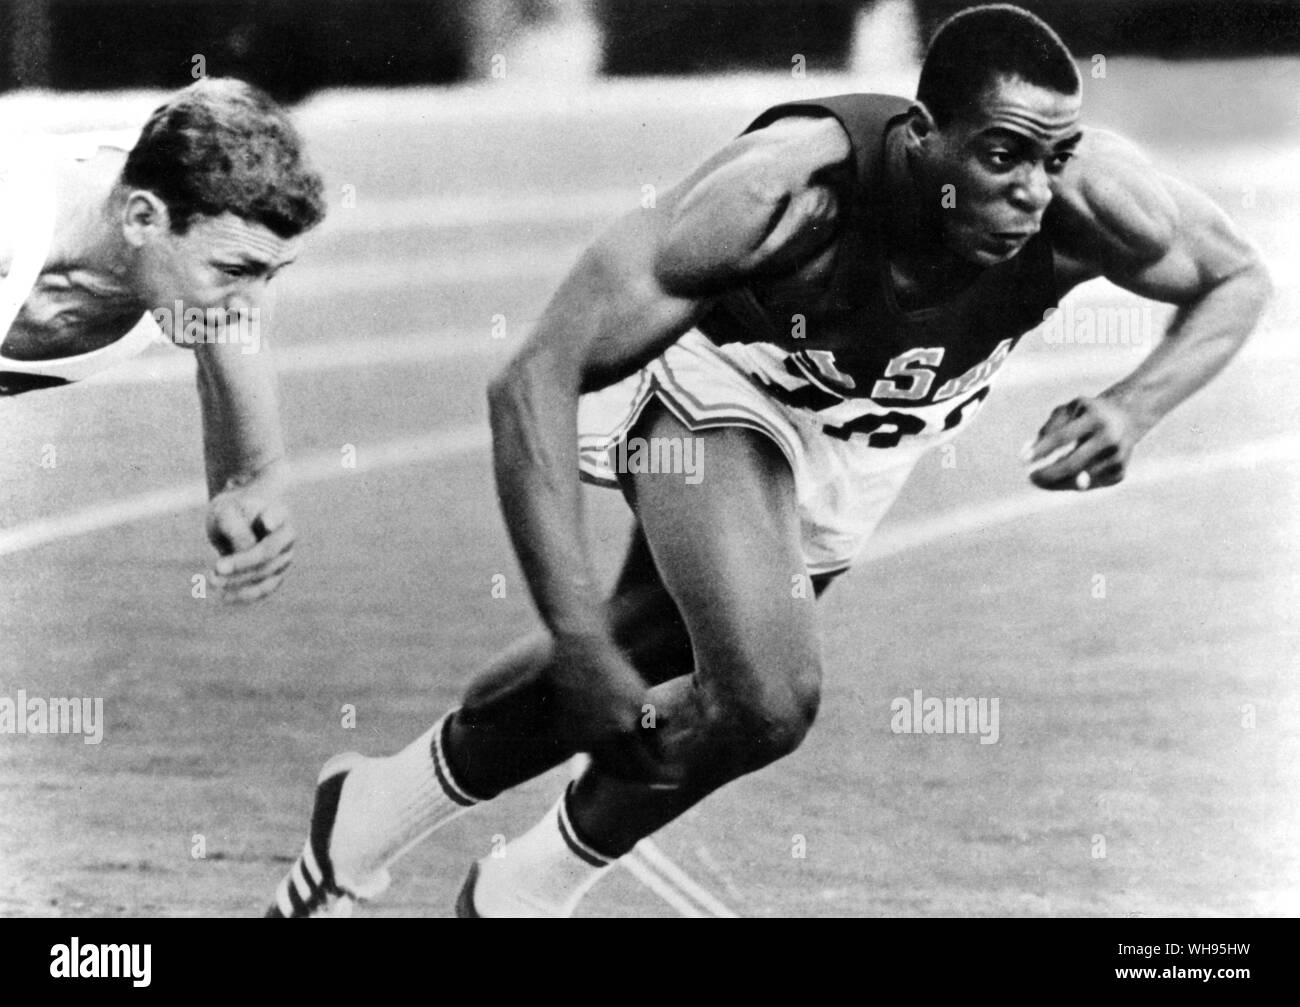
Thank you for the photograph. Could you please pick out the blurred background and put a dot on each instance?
(292, 47)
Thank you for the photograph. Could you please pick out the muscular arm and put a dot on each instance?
(1161, 239)
(755, 206)
(1221, 288)
(242, 442)
(609, 314)
(243, 451)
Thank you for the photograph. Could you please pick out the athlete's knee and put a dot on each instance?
(776, 721)
(763, 723)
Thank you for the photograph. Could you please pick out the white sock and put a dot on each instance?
(389, 804)
(545, 872)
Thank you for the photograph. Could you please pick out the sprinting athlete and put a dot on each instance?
(825, 298)
(110, 241)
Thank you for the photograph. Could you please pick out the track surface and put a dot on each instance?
(1120, 717)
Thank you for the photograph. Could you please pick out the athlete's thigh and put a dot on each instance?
(727, 548)
(644, 618)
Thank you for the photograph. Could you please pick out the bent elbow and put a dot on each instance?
(521, 390)
(1254, 282)
(1263, 280)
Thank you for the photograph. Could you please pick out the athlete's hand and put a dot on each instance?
(1084, 444)
(599, 705)
(255, 540)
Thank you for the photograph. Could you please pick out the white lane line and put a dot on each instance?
(963, 520)
(512, 208)
(100, 517)
(547, 262)
(457, 441)
(926, 531)
(543, 263)
(318, 467)
(656, 858)
(649, 859)
(440, 446)
(170, 364)
(660, 887)
(907, 535)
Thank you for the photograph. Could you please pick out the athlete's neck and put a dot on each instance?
(913, 231)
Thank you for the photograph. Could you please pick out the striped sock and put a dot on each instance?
(387, 805)
(545, 872)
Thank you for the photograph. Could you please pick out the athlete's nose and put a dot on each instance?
(249, 297)
(1032, 190)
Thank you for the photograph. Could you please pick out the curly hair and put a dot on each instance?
(979, 44)
(223, 146)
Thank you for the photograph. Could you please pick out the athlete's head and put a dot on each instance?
(215, 195)
(996, 117)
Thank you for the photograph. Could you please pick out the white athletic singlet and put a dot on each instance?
(27, 209)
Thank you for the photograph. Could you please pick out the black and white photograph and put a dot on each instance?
(651, 458)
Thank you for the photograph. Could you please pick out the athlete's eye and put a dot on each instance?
(233, 271)
(1000, 158)
(1057, 161)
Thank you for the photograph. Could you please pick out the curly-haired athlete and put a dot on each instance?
(108, 242)
(828, 296)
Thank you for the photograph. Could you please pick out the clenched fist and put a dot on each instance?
(1085, 443)
(255, 540)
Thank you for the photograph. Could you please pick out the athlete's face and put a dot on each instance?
(1000, 158)
(220, 262)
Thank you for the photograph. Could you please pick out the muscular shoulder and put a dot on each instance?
(1110, 201)
(758, 205)
(784, 157)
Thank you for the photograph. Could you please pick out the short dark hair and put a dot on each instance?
(223, 146)
(980, 44)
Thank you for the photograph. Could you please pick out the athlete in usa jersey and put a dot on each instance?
(836, 356)
(109, 242)
(861, 343)
(829, 293)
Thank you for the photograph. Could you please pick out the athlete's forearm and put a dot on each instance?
(242, 440)
(610, 316)
(534, 422)
(1202, 338)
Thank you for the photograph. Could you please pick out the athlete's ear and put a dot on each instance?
(144, 215)
(920, 128)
